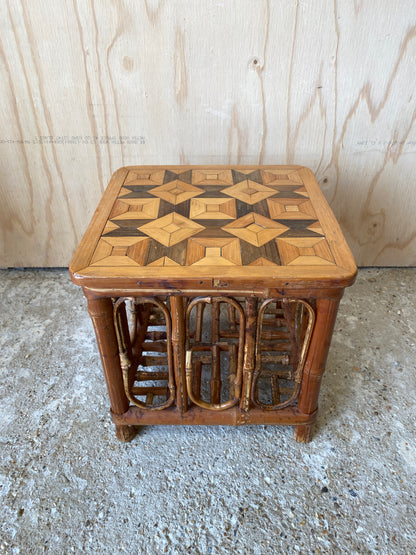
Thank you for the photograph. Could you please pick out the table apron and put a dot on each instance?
(275, 293)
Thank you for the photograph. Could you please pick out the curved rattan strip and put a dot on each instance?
(307, 338)
(302, 358)
(189, 369)
(126, 363)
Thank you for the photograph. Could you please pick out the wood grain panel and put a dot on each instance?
(88, 86)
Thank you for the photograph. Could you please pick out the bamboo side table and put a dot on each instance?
(213, 292)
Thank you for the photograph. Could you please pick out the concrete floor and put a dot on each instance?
(67, 485)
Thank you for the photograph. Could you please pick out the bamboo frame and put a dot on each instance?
(304, 292)
(176, 341)
(255, 335)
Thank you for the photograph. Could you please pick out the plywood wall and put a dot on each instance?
(90, 85)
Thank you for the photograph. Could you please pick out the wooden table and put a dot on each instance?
(213, 291)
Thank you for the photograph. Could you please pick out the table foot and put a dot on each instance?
(303, 433)
(126, 433)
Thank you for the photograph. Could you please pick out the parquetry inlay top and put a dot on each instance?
(155, 222)
(207, 217)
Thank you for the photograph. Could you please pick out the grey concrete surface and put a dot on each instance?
(67, 485)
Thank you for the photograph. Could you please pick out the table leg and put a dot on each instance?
(178, 347)
(101, 312)
(326, 312)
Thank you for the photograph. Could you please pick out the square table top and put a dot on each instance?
(193, 225)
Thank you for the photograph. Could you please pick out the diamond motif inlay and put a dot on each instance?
(255, 229)
(176, 191)
(249, 192)
(171, 229)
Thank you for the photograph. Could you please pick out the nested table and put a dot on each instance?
(213, 292)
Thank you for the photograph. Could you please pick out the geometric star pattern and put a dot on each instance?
(212, 217)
